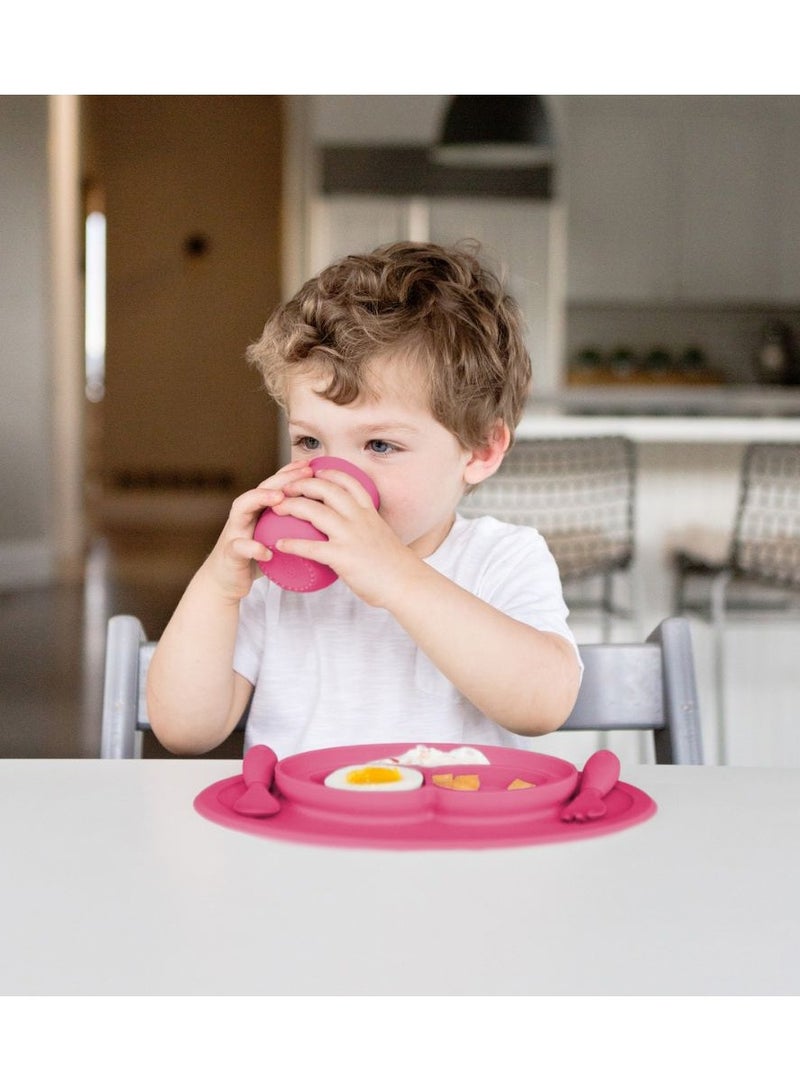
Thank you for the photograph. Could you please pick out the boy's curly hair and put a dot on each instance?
(435, 306)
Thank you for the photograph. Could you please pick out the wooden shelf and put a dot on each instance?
(606, 377)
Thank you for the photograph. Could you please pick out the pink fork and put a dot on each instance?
(258, 770)
(600, 774)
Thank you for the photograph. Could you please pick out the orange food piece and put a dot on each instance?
(518, 783)
(467, 782)
(463, 782)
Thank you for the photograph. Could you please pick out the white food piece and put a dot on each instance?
(431, 756)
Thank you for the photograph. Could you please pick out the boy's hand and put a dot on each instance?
(362, 548)
(232, 564)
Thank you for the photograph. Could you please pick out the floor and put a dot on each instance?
(52, 642)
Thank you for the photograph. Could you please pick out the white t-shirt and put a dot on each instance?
(329, 670)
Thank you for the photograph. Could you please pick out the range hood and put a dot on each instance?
(497, 131)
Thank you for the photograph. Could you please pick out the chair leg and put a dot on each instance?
(607, 607)
(679, 593)
(719, 589)
(636, 600)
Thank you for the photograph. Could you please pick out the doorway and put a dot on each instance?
(191, 190)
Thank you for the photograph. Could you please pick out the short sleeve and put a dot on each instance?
(252, 631)
(510, 567)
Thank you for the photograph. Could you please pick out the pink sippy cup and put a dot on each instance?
(297, 573)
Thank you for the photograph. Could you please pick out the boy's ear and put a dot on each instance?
(486, 459)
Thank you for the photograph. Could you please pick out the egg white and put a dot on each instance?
(409, 779)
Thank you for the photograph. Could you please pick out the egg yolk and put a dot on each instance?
(374, 774)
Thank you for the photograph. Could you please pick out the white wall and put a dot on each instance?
(25, 426)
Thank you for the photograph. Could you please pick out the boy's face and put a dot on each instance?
(419, 468)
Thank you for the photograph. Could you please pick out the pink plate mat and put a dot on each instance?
(431, 823)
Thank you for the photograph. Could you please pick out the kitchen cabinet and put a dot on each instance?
(622, 206)
(726, 211)
(523, 239)
(352, 225)
(676, 199)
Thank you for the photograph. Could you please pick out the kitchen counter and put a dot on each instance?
(643, 429)
(745, 414)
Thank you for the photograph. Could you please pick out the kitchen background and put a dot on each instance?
(656, 258)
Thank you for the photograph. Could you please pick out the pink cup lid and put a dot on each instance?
(297, 573)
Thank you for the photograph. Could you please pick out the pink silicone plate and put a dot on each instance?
(300, 778)
(428, 817)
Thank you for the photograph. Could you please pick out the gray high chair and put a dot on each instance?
(646, 687)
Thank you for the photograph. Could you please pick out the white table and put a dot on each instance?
(113, 884)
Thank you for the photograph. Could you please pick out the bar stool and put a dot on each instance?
(580, 495)
(760, 574)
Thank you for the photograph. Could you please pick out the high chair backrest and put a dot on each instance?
(644, 687)
(638, 687)
(128, 655)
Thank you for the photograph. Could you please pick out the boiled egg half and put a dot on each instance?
(374, 778)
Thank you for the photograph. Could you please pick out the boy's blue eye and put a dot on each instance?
(308, 443)
(380, 446)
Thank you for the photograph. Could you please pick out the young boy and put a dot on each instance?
(409, 362)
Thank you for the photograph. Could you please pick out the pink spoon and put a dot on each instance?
(600, 774)
(258, 770)
(297, 573)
